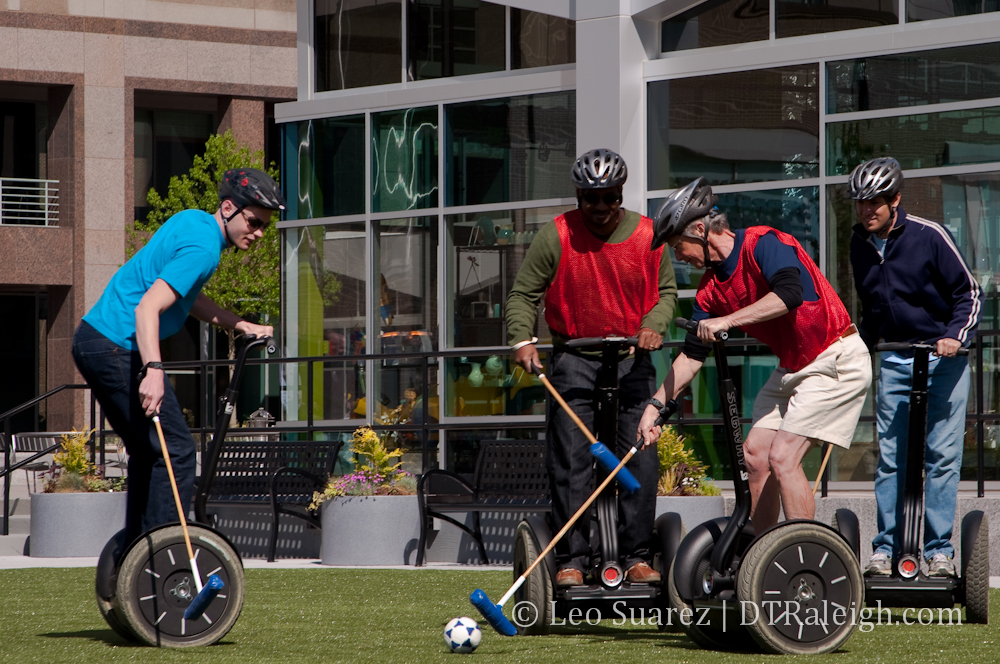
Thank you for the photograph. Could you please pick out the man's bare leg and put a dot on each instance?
(787, 451)
(764, 495)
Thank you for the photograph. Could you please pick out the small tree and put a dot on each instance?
(247, 283)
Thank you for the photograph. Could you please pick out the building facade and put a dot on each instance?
(431, 139)
(99, 102)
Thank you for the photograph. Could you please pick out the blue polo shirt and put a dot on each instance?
(184, 252)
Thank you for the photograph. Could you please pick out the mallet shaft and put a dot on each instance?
(177, 500)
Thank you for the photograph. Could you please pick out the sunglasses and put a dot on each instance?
(609, 199)
(255, 223)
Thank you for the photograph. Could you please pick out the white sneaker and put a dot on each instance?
(940, 565)
(879, 565)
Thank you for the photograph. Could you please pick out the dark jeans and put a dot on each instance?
(571, 466)
(111, 372)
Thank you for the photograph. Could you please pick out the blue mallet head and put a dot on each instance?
(609, 462)
(209, 592)
(492, 613)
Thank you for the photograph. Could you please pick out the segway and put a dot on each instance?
(795, 589)
(610, 595)
(145, 586)
(908, 585)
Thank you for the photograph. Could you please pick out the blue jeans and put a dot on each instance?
(948, 394)
(111, 373)
(571, 466)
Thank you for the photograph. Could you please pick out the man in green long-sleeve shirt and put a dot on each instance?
(594, 267)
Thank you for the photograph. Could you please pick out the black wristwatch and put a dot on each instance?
(665, 411)
(653, 401)
(149, 365)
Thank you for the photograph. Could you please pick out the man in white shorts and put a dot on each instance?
(762, 281)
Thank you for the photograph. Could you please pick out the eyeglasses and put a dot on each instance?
(255, 223)
(609, 199)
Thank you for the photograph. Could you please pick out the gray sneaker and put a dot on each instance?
(940, 565)
(879, 565)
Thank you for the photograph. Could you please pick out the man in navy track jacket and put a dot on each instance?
(914, 286)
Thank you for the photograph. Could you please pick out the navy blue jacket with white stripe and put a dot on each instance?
(922, 290)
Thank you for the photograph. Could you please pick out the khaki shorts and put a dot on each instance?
(824, 399)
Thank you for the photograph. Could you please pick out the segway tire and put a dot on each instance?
(976, 573)
(811, 564)
(846, 523)
(668, 532)
(107, 573)
(155, 586)
(533, 600)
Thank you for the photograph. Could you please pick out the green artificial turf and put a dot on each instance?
(323, 616)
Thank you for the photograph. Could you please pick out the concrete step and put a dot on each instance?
(20, 524)
(14, 545)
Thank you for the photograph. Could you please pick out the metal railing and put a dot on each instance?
(27, 202)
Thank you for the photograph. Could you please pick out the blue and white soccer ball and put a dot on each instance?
(462, 635)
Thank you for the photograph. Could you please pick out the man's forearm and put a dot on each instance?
(766, 308)
(681, 373)
(206, 310)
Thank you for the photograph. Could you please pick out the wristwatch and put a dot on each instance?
(665, 411)
(149, 365)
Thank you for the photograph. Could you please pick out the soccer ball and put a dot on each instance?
(462, 635)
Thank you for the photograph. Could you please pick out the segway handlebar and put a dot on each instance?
(692, 327)
(903, 346)
(599, 342)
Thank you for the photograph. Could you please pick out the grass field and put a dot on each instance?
(325, 616)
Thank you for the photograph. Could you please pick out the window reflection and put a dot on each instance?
(914, 79)
(749, 126)
(455, 38)
(513, 149)
(716, 24)
(804, 17)
(404, 159)
(925, 140)
(925, 10)
(322, 178)
(537, 40)
(357, 43)
(486, 250)
(491, 385)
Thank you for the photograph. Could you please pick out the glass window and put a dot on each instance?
(324, 314)
(404, 159)
(749, 126)
(166, 143)
(926, 140)
(406, 252)
(794, 211)
(537, 40)
(486, 250)
(914, 79)
(806, 17)
(321, 174)
(514, 149)
(455, 38)
(491, 385)
(358, 43)
(730, 22)
(926, 10)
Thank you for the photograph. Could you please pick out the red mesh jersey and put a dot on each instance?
(602, 289)
(799, 336)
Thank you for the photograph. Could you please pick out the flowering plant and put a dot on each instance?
(681, 473)
(72, 471)
(380, 475)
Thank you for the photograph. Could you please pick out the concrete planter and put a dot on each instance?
(370, 530)
(693, 509)
(68, 525)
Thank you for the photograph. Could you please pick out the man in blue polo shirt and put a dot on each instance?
(117, 345)
(914, 286)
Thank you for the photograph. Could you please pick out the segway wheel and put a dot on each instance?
(846, 523)
(107, 572)
(155, 586)
(976, 573)
(533, 600)
(668, 531)
(806, 584)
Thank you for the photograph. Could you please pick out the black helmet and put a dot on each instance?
(250, 186)
(878, 177)
(599, 169)
(687, 204)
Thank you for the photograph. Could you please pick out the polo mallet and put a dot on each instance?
(208, 592)
(493, 613)
(822, 467)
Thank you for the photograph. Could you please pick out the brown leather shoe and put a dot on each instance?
(568, 577)
(642, 573)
